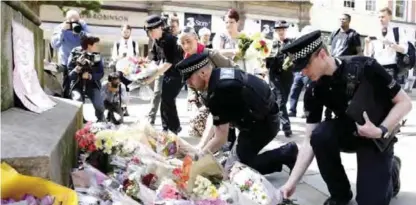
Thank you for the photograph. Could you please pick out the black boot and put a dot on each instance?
(332, 201)
(290, 151)
(397, 164)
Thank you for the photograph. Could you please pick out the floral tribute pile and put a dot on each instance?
(138, 165)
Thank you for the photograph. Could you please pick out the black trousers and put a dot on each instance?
(250, 141)
(171, 87)
(66, 83)
(281, 85)
(113, 108)
(374, 175)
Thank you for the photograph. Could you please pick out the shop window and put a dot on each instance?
(370, 5)
(399, 9)
(349, 3)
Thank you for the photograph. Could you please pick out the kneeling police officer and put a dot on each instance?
(246, 101)
(335, 83)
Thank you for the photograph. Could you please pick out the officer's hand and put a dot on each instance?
(368, 129)
(86, 76)
(287, 190)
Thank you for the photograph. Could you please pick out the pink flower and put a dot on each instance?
(169, 192)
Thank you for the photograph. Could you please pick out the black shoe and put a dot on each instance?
(125, 112)
(397, 164)
(332, 201)
(290, 153)
(292, 114)
(288, 133)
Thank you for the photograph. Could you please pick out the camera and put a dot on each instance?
(86, 60)
(75, 26)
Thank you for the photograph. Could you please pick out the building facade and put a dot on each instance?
(255, 16)
(364, 15)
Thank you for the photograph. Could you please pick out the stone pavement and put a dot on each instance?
(312, 190)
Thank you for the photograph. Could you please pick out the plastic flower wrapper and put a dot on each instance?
(211, 202)
(167, 190)
(98, 126)
(253, 185)
(128, 66)
(181, 175)
(29, 199)
(167, 145)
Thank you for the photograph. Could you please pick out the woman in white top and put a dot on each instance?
(227, 43)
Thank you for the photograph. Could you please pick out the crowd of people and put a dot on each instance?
(239, 110)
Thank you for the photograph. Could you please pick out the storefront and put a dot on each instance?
(106, 24)
(213, 20)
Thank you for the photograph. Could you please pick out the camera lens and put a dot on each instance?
(76, 27)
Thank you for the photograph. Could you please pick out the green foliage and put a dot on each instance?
(87, 5)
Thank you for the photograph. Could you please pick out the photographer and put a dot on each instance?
(115, 96)
(85, 72)
(66, 37)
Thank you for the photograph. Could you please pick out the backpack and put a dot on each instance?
(405, 62)
(134, 47)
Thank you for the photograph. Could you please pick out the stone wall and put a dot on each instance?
(19, 12)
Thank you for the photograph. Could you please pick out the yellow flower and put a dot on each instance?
(99, 144)
(213, 191)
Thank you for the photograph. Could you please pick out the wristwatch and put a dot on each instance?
(384, 132)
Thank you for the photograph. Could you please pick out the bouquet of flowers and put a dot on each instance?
(244, 42)
(182, 174)
(166, 145)
(86, 139)
(261, 45)
(204, 189)
(253, 185)
(128, 66)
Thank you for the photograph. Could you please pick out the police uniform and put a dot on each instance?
(245, 101)
(167, 50)
(280, 79)
(332, 136)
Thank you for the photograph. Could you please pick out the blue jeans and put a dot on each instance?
(95, 96)
(298, 83)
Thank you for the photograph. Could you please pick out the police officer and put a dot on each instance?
(245, 101)
(167, 50)
(334, 84)
(281, 78)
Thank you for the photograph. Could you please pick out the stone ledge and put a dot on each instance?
(42, 144)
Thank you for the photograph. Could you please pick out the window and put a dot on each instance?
(399, 9)
(349, 3)
(370, 5)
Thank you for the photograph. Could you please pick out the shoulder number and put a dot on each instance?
(227, 73)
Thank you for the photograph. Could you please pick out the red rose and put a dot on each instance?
(147, 180)
(262, 43)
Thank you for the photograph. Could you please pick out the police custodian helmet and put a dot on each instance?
(153, 22)
(192, 64)
(302, 49)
